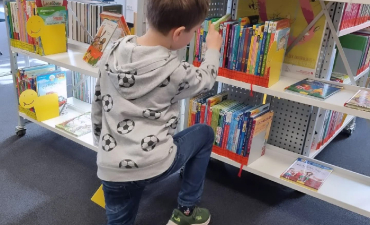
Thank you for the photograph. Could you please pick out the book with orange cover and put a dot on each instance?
(100, 42)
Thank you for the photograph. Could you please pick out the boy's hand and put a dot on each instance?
(214, 39)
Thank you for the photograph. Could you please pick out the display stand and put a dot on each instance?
(344, 188)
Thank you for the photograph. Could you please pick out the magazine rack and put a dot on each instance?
(278, 157)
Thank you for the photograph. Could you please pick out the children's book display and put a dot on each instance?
(42, 91)
(38, 28)
(77, 126)
(307, 174)
(314, 88)
(241, 130)
(303, 57)
(360, 101)
(100, 42)
(251, 52)
(354, 14)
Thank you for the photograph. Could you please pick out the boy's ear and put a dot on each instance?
(177, 33)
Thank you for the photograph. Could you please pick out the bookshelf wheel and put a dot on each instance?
(20, 132)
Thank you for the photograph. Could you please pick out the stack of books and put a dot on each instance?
(238, 127)
(84, 87)
(89, 13)
(355, 14)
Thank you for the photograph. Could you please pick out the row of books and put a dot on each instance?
(246, 44)
(357, 48)
(84, 87)
(329, 121)
(37, 26)
(89, 14)
(238, 127)
(355, 14)
(44, 79)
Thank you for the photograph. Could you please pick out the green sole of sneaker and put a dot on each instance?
(205, 223)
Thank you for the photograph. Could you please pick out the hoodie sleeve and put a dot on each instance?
(197, 79)
(96, 113)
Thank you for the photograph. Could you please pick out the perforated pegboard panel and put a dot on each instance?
(325, 67)
(290, 124)
(362, 81)
(217, 8)
(243, 95)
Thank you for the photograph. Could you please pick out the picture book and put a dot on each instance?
(122, 28)
(53, 14)
(360, 101)
(101, 40)
(77, 126)
(307, 174)
(313, 88)
(259, 136)
(53, 83)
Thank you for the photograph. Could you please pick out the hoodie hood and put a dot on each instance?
(132, 65)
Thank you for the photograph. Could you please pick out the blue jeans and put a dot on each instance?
(194, 147)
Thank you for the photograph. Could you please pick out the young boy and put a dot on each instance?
(136, 112)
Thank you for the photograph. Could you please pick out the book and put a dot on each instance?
(360, 101)
(259, 136)
(221, 20)
(307, 174)
(77, 126)
(101, 40)
(122, 27)
(313, 88)
(53, 83)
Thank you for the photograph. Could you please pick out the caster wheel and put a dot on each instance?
(20, 133)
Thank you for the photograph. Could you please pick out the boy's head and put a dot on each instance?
(177, 19)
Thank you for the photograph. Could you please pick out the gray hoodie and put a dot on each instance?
(136, 110)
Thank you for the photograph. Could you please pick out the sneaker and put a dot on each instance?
(200, 216)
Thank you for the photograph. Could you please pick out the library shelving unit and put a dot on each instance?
(343, 188)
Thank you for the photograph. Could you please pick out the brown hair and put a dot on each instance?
(164, 15)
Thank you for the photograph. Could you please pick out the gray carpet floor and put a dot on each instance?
(49, 180)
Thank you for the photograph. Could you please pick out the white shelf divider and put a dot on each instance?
(355, 28)
(343, 188)
(75, 108)
(364, 73)
(314, 152)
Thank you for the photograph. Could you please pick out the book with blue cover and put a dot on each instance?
(314, 88)
(53, 83)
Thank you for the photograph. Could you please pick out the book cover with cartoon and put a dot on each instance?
(314, 88)
(100, 42)
(307, 174)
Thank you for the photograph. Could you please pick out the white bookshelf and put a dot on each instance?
(71, 60)
(354, 29)
(75, 108)
(335, 102)
(343, 188)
